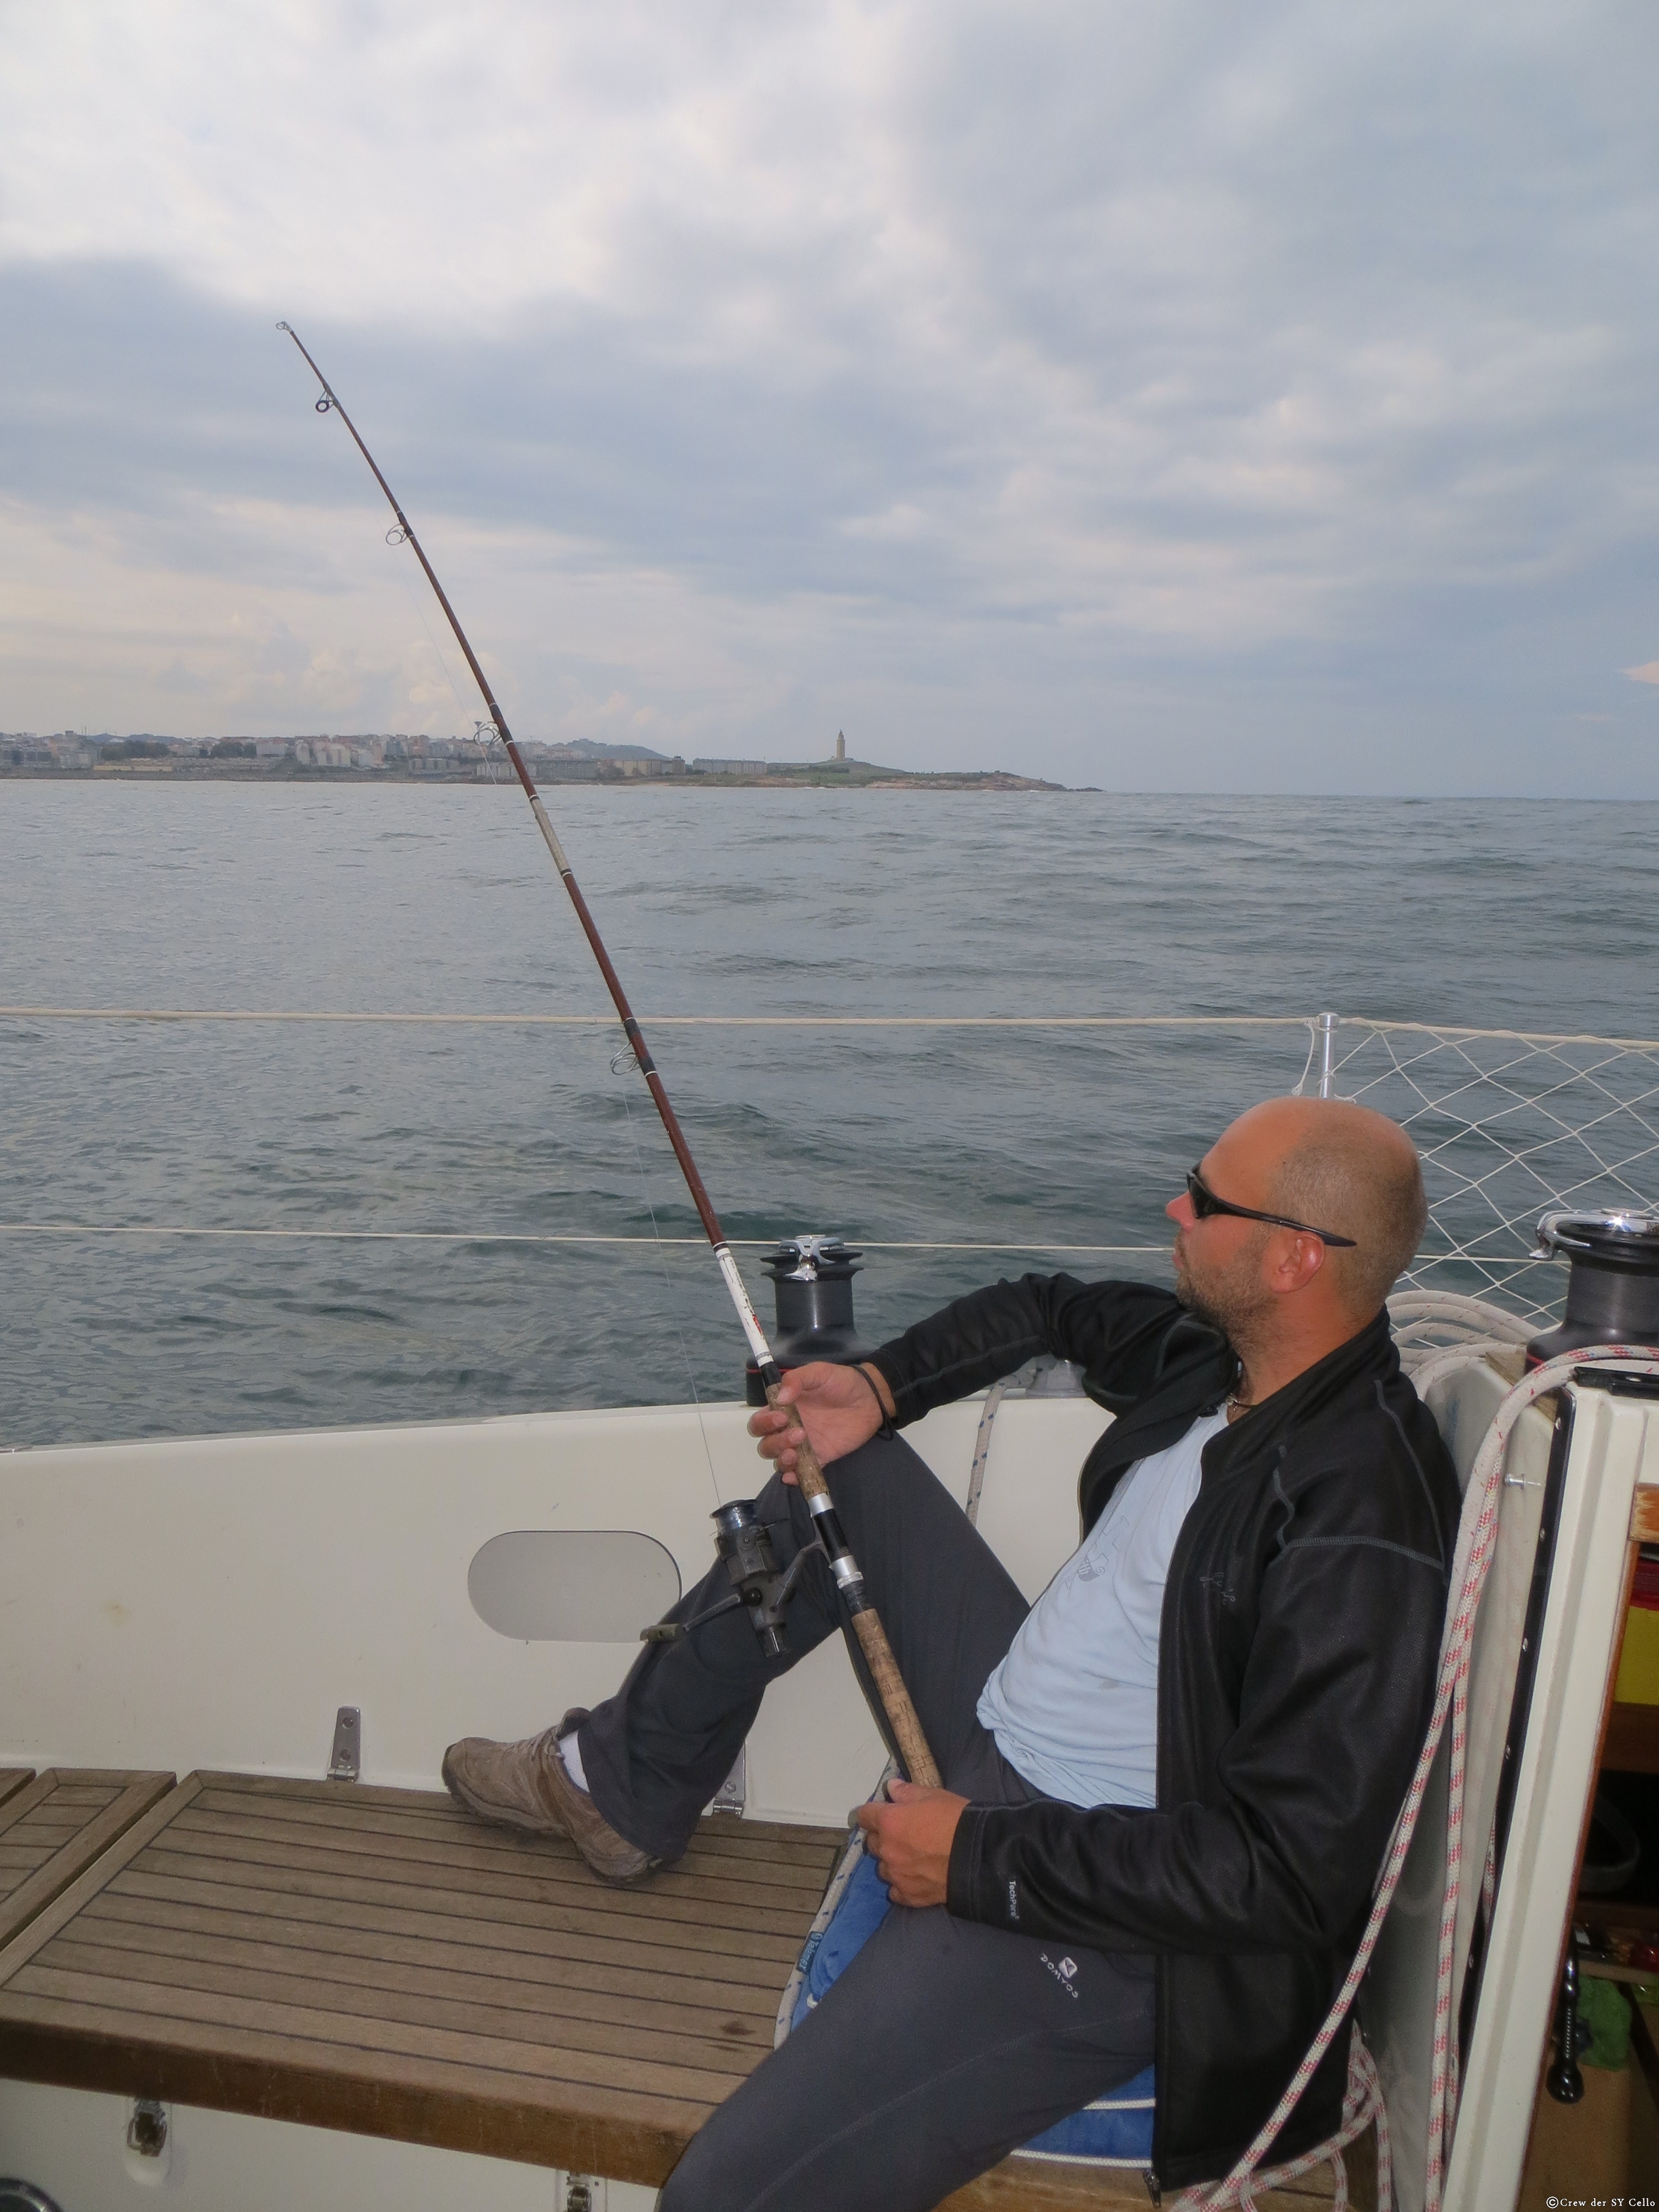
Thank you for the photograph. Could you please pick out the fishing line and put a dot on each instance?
(408, 583)
(897, 1705)
(622, 1061)
(395, 539)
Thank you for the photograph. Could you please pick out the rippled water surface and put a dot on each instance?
(359, 899)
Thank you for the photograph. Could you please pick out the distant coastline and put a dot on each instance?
(76, 756)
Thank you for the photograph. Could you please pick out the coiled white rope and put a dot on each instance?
(1426, 1322)
(1477, 1537)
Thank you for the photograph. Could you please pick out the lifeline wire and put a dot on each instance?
(691, 1021)
(1450, 1033)
(506, 1237)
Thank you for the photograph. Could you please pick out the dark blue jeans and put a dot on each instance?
(945, 2044)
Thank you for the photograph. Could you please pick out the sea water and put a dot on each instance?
(1016, 1142)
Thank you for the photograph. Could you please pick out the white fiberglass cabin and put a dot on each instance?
(249, 1957)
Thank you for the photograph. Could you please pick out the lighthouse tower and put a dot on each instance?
(840, 745)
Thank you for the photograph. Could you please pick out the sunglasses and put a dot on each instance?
(1205, 1203)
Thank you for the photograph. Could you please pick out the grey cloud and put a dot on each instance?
(1253, 400)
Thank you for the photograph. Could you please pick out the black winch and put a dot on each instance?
(1613, 1288)
(812, 1283)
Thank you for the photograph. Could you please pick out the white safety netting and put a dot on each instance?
(1508, 1126)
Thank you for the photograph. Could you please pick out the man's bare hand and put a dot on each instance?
(911, 1840)
(836, 1406)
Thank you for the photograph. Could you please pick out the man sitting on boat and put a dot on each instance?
(1170, 1784)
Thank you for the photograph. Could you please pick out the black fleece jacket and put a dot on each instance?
(1297, 1651)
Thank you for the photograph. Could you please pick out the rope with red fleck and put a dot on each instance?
(1477, 1538)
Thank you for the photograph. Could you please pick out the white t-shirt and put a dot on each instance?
(1074, 1707)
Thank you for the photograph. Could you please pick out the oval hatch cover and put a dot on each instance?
(572, 1585)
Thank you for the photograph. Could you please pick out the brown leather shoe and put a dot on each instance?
(524, 1785)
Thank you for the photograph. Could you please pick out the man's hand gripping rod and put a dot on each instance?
(866, 1622)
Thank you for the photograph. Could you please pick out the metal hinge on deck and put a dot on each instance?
(733, 1793)
(346, 1760)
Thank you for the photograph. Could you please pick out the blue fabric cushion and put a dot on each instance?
(828, 1956)
(1115, 2130)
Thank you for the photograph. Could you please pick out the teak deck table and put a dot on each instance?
(373, 1960)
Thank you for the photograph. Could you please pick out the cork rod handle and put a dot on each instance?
(901, 1716)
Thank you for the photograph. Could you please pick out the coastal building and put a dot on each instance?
(63, 749)
(728, 767)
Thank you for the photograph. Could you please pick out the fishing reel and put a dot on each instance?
(759, 1585)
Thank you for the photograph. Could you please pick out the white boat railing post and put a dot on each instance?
(1327, 1026)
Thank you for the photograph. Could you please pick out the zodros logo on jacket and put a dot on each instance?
(1063, 1970)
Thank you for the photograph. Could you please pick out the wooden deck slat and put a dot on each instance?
(69, 1808)
(136, 1921)
(738, 1984)
(776, 1855)
(470, 1844)
(767, 1838)
(484, 1935)
(462, 1843)
(376, 1959)
(277, 1991)
(547, 1876)
(39, 1834)
(606, 1914)
(299, 1791)
(311, 2025)
(26, 1941)
(584, 1993)
(42, 1832)
(12, 1779)
(55, 1827)
(63, 1796)
(23, 1802)
(360, 1805)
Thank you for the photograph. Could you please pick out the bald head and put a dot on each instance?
(1342, 1167)
(1281, 1294)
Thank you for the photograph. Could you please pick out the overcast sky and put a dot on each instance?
(1174, 397)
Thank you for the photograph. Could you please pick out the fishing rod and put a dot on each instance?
(750, 1562)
